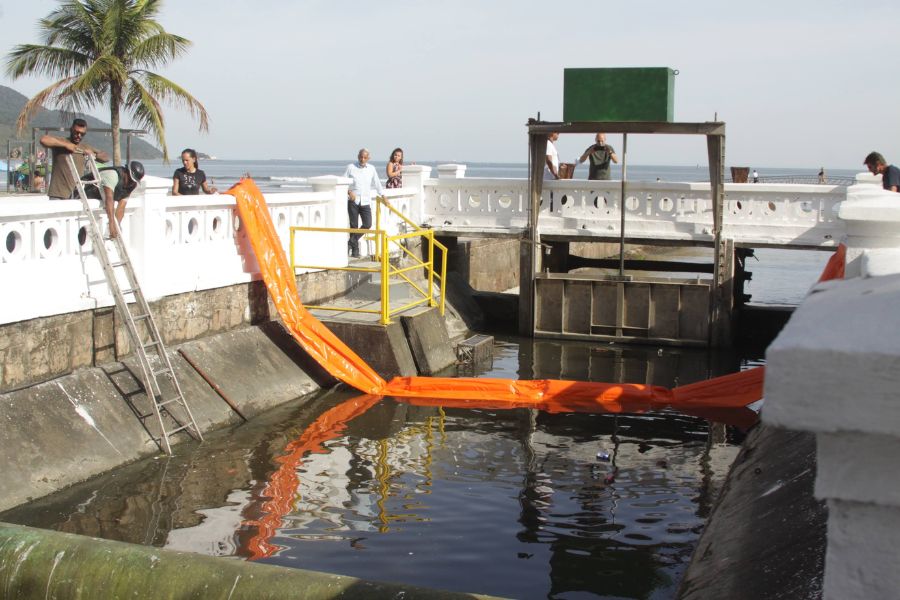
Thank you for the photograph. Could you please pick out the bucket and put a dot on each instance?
(566, 170)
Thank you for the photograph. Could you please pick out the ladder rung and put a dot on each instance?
(169, 401)
(174, 431)
(140, 317)
(163, 371)
(150, 345)
(128, 291)
(120, 263)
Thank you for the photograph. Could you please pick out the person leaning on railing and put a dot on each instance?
(890, 175)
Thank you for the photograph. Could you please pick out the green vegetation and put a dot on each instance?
(101, 51)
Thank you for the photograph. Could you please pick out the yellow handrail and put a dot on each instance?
(383, 244)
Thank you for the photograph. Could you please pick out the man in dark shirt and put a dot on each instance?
(600, 154)
(890, 175)
(62, 183)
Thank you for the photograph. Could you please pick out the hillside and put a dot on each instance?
(11, 103)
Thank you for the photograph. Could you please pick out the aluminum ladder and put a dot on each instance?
(160, 383)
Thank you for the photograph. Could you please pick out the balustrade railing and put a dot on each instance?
(182, 244)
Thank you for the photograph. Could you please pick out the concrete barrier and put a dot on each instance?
(48, 564)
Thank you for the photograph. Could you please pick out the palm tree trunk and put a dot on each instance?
(115, 102)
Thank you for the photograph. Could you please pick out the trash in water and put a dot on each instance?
(603, 455)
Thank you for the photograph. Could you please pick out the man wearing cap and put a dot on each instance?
(116, 184)
(62, 184)
(890, 175)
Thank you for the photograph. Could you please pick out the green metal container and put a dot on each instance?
(628, 94)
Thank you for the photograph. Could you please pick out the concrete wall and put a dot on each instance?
(64, 431)
(40, 349)
(835, 372)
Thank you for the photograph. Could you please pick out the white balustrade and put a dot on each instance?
(177, 244)
(803, 215)
(188, 243)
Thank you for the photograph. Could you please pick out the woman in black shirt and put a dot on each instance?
(189, 179)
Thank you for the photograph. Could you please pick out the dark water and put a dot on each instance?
(508, 502)
(291, 175)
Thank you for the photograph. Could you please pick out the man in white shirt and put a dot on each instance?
(552, 157)
(359, 197)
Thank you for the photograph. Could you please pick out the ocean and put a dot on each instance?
(291, 175)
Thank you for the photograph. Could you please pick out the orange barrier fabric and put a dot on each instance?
(834, 268)
(281, 488)
(339, 360)
(330, 352)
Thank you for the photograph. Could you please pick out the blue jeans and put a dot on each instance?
(355, 211)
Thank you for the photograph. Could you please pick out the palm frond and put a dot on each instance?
(146, 112)
(49, 61)
(170, 92)
(158, 49)
(48, 95)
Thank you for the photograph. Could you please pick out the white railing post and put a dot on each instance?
(835, 370)
(148, 236)
(451, 171)
(871, 217)
(414, 177)
(337, 186)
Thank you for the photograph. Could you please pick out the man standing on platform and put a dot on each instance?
(62, 183)
(359, 196)
(600, 154)
(552, 157)
(890, 175)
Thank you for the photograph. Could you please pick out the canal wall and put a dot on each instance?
(64, 431)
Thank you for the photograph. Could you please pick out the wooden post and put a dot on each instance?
(719, 313)
(530, 250)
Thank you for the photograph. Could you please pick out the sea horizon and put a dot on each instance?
(284, 174)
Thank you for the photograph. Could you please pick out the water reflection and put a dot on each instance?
(507, 502)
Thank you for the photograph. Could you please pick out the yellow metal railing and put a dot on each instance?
(384, 243)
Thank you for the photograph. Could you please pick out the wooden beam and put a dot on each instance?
(529, 252)
(708, 128)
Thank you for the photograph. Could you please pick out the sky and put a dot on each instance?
(798, 83)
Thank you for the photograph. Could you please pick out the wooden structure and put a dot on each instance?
(623, 308)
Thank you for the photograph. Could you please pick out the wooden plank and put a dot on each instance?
(549, 309)
(666, 304)
(693, 320)
(637, 306)
(577, 308)
(665, 266)
(711, 128)
(603, 308)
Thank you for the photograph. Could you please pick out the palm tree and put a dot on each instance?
(101, 51)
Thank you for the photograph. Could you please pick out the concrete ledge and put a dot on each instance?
(428, 341)
(845, 327)
(60, 432)
(384, 347)
(49, 564)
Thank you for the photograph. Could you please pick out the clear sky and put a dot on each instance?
(799, 83)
